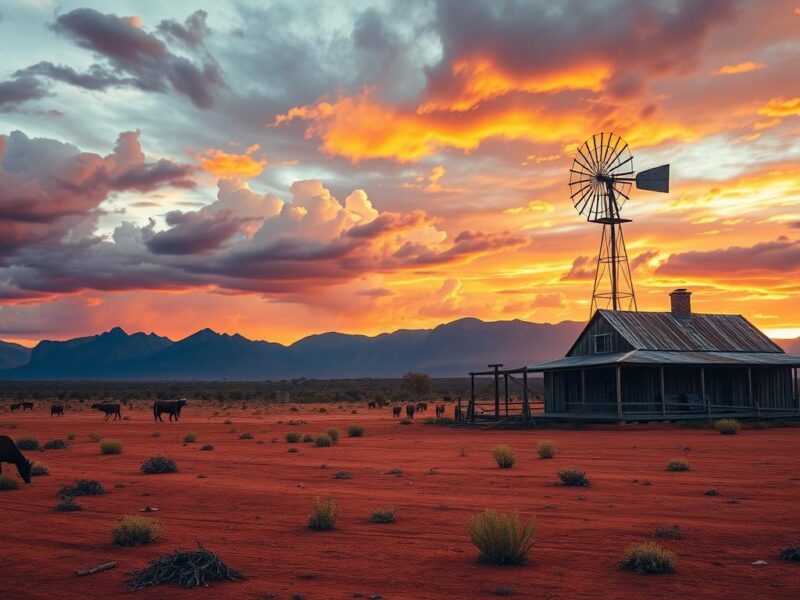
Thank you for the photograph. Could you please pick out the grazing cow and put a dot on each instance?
(27, 405)
(16, 406)
(173, 407)
(457, 414)
(422, 406)
(410, 410)
(439, 410)
(10, 453)
(110, 408)
(396, 412)
(56, 409)
(372, 404)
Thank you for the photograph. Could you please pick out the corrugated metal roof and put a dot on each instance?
(657, 357)
(697, 333)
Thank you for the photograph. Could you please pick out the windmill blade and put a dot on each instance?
(654, 180)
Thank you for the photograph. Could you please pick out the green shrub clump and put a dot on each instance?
(293, 437)
(159, 464)
(648, 558)
(110, 446)
(504, 456)
(355, 431)
(501, 538)
(323, 440)
(133, 530)
(678, 464)
(82, 487)
(573, 477)
(324, 513)
(28, 443)
(547, 448)
(383, 515)
(728, 426)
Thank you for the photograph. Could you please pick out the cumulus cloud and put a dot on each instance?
(781, 256)
(21, 89)
(50, 189)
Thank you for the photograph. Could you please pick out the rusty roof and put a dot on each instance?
(666, 358)
(696, 333)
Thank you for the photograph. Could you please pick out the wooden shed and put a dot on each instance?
(670, 365)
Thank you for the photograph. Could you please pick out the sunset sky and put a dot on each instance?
(285, 168)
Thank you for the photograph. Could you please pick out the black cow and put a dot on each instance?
(372, 404)
(410, 410)
(27, 405)
(56, 409)
(173, 407)
(16, 406)
(10, 453)
(439, 410)
(395, 411)
(110, 408)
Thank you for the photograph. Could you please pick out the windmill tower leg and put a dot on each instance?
(613, 283)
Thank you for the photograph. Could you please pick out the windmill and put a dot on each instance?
(599, 184)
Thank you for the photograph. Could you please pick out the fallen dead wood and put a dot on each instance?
(187, 569)
(97, 569)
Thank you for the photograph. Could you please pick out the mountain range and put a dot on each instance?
(449, 350)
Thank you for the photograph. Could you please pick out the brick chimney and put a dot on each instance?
(681, 303)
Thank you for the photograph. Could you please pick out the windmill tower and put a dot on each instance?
(599, 184)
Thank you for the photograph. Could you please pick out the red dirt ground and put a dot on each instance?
(249, 500)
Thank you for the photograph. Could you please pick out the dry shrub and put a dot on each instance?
(110, 446)
(333, 433)
(56, 444)
(323, 440)
(383, 515)
(790, 554)
(7, 484)
(678, 464)
(28, 443)
(159, 464)
(246, 436)
(355, 431)
(133, 530)
(95, 437)
(82, 487)
(68, 505)
(572, 477)
(293, 437)
(728, 426)
(308, 438)
(39, 468)
(190, 437)
(324, 513)
(547, 448)
(207, 447)
(670, 533)
(648, 558)
(504, 456)
(501, 538)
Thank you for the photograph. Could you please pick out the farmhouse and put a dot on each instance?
(629, 365)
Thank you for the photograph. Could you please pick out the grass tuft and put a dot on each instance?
(547, 448)
(190, 438)
(790, 554)
(504, 456)
(7, 484)
(293, 437)
(728, 426)
(133, 530)
(28, 443)
(333, 433)
(39, 468)
(669, 533)
(648, 558)
(246, 436)
(207, 447)
(82, 487)
(110, 446)
(501, 538)
(324, 513)
(56, 444)
(355, 431)
(323, 440)
(68, 505)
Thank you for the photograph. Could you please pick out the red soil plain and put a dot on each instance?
(249, 501)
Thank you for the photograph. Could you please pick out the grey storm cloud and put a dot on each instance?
(779, 257)
(20, 89)
(135, 57)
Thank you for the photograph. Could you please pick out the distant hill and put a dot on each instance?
(13, 355)
(790, 346)
(449, 350)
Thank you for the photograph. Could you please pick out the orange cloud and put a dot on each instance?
(779, 107)
(743, 67)
(225, 165)
(360, 127)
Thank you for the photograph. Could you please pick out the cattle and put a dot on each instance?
(439, 410)
(410, 410)
(110, 408)
(372, 404)
(56, 409)
(396, 412)
(422, 406)
(27, 405)
(16, 406)
(173, 407)
(10, 453)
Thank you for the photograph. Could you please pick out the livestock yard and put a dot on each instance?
(249, 498)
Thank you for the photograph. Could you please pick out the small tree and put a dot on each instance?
(417, 384)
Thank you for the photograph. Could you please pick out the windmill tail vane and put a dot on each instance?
(600, 182)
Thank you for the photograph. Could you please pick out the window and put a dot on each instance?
(602, 343)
